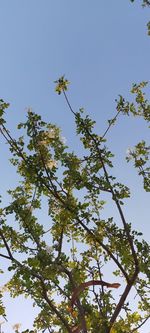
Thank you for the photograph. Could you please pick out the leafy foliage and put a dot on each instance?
(141, 152)
(51, 260)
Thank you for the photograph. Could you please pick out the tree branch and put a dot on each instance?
(79, 306)
(139, 326)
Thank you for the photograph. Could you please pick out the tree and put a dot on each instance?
(48, 263)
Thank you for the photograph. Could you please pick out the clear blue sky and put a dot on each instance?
(102, 47)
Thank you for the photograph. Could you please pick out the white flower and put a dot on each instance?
(63, 139)
(16, 326)
(129, 151)
(49, 249)
(51, 134)
(51, 163)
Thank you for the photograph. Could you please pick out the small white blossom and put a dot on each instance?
(129, 151)
(63, 139)
(51, 134)
(51, 163)
(49, 249)
(16, 326)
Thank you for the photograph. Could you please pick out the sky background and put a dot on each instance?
(102, 47)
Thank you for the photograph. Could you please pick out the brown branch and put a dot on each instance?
(79, 306)
(91, 283)
(121, 301)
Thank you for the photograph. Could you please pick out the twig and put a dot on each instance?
(139, 326)
(110, 124)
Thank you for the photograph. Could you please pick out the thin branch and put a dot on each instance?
(60, 244)
(100, 277)
(62, 292)
(69, 105)
(139, 326)
(45, 232)
(11, 141)
(79, 306)
(54, 309)
(110, 124)
(10, 256)
(4, 256)
(28, 226)
(121, 301)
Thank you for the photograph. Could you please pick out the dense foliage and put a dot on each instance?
(52, 260)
